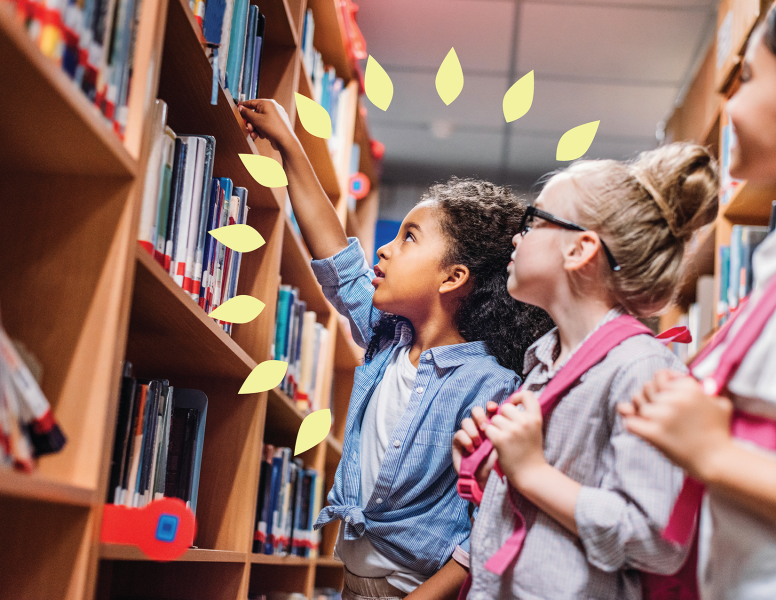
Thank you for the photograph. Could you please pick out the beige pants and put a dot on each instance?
(369, 588)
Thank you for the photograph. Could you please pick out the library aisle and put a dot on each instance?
(85, 299)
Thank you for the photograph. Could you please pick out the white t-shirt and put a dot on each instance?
(737, 550)
(386, 407)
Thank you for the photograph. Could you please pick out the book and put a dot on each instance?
(262, 499)
(188, 211)
(163, 198)
(176, 194)
(236, 47)
(253, 91)
(250, 56)
(153, 180)
(751, 237)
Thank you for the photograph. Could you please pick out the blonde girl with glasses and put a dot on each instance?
(582, 502)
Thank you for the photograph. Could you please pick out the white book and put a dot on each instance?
(307, 359)
(178, 264)
(196, 207)
(147, 230)
(320, 376)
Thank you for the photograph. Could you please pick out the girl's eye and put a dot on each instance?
(408, 236)
(746, 74)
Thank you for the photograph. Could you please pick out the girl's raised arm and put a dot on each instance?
(318, 221)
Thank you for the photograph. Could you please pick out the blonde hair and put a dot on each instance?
(646, 210)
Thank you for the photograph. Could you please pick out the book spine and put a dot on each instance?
(163, 203)
(236, 47)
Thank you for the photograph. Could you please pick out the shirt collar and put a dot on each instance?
(544, 350)
(457, 354)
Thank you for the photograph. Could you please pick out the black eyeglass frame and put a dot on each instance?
(532, 212)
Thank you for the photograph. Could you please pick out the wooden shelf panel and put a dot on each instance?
(185, 85)
(281, 561)
(295, 270)
(329, 36)
(366, 163)
(317, 149)
(35, 487)
(281, 23)
(39, 100)
(329, 562)
(171, 335)
(750, 204)
(123, 552)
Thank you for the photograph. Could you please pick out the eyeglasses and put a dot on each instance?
(532, 213)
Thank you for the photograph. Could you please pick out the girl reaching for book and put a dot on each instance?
(441, 336)
(723, 431)
(584, 501)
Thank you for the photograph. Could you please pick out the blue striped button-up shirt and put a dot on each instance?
(415, 516)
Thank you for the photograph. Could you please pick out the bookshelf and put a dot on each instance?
(83, 296)
(701, 119)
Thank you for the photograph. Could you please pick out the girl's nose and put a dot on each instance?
(516, 239)
(382, 252)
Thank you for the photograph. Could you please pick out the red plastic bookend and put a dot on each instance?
(163, 530)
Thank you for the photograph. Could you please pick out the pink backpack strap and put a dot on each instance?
(594, 350)
(753, 428)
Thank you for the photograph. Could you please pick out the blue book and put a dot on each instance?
(210, 241)
(250, 44)
(274, 493)
(234, 61)
(253, 92)
(214, 21)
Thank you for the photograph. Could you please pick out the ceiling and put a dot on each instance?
(624, 62)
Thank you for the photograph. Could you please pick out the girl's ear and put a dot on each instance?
(582, 251)
(457, 276)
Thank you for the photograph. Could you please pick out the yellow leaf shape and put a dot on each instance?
(264, 377)
(378, 86)
(240, 309)
(518, 99)
(575, 142)
(313, 430)
(449, 78)
(313, 116)
(267, 171)
(240, 238)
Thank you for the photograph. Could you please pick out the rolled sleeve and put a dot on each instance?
(620, 522)
(461, 554)
(346, 280)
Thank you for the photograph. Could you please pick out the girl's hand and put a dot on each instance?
(470, 437)
(517, 435)
(266, 119)
(674, 414)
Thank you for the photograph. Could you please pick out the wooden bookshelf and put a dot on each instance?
(701, 119)
(83, 296)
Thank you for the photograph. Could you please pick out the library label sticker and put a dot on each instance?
(240, 309)
(313, 116)
(518, 99)
(313, 430)
(267, 171)
(377, 84)
(264, 377)
(449, 78)
(240, 238)
(575, 142)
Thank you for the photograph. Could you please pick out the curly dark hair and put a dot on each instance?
(479, 220)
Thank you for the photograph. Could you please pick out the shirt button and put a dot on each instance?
(396, 443)
(347, 519)
(428, 356)
(419, 390)
(379, 500)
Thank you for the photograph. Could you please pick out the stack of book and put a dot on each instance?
(93, 42)
(234, 29)
(303, 343)
(27, 426)
(736, 267)
(182, 201)
(328, 90)
(287, 505)
(157, 450)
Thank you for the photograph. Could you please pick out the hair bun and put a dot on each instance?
(683, 181)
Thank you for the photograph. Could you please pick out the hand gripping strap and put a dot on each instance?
(753, 428)
(594, 350)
